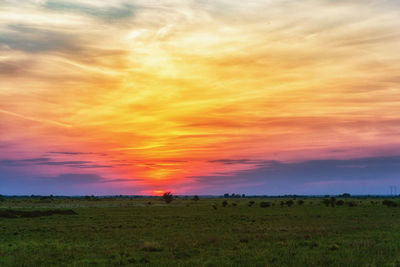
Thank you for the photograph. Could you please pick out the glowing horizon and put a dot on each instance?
(192, 96)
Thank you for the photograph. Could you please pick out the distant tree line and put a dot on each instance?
(233, 195)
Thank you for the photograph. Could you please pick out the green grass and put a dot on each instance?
(112, 232)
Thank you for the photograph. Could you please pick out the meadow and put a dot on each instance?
(207, 232)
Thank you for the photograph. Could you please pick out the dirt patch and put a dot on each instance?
(34, 213)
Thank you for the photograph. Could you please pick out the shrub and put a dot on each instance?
(389, 203)
(224, 203)
(333, 202)
(300, 202)
(340, 202)
(251, 203)
(351, 203)
(234, 204)
(47, 197)
(214, 206)
(168, 197)
(2, 199)
(265, 204)
(329, 202)
(196, 198)
(289, 202)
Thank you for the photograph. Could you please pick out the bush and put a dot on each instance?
(251, 203)
(168, 197)
(224, 203)
(2, 199)
(389, 203)
(234, 204)
(329, 202)
(196, 198)
(333, 202)
(351, 203)
(265, 204)
(340, 202)
(300, 202)
(289, 202)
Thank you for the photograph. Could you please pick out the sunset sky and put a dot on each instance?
(199, 97)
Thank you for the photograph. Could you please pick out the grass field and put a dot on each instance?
(112, 232)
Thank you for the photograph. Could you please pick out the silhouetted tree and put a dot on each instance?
(195, 198)
(168, 197)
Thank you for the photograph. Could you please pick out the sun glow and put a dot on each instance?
(157, 192)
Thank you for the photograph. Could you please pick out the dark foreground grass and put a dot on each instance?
(189, 233)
